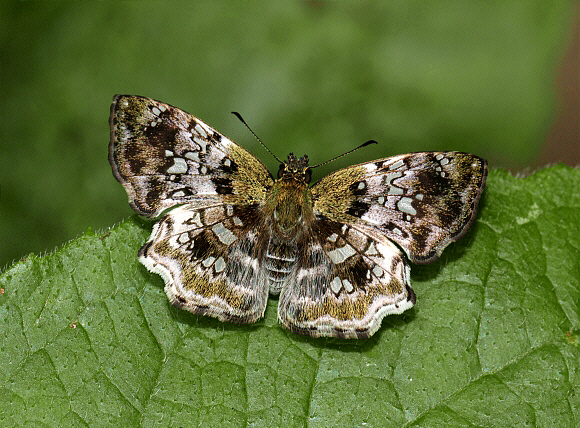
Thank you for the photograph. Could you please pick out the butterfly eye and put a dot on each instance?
(281, 170)
(307, 175)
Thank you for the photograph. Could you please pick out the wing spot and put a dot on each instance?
(156, 111)
(394, 190)
(347, 285)
(238, 221)
(444, 161)
(208, 262)
(340, 254)
(201, 142)
(378, 271)
(397, 164)
(200, 130)
(405, 206)
(224, 234)
(220, 265)
(336, 285)
(333, 237)
(381, 200)
(196, 219)
(168, 153)
(372, 250)
(194, 156)
(179, 166)
(390, 177)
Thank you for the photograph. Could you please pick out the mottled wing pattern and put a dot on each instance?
(209, 256)
(164, 156)
(348, 278)
(225, 244)
(207, 249)
(421, 201)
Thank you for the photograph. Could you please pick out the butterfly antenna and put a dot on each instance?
(239, 116)
(344, 154)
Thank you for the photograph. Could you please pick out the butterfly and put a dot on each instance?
(229, 234)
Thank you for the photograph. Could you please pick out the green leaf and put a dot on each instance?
(88, 337)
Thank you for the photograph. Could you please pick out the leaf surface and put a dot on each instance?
(88, 337)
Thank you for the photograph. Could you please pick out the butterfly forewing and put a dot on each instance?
(164, 156)
(422, 201)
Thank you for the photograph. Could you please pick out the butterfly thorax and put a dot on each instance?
(289, 202)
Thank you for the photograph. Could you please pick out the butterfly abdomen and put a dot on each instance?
(279, 262)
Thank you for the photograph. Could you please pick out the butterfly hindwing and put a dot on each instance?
(347, 279)
(209, 256)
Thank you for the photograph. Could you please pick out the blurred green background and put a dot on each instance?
(309, 77)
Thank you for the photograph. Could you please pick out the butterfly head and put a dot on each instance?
(295, 169)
